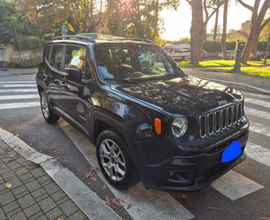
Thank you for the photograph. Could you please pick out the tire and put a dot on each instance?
(47, 113)
(115, 161)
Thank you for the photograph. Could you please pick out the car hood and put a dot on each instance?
(180, 96)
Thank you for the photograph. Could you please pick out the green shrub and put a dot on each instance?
(255, 59)
(29, 43)
(214, 46)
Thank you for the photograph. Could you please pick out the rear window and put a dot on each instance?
(56, 56)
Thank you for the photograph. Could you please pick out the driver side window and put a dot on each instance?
(76, 58)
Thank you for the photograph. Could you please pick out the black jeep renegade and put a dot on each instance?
(149, 120)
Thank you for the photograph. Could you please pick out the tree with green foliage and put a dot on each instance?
(79, 16)
(137, 18)
(14, 22)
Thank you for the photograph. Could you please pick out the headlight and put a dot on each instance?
(179, 126)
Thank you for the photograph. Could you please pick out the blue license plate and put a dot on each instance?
(232, 152)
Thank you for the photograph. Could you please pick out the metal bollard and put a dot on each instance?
(237, 66)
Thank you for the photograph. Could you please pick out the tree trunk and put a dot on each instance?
(201, 40)
(255, 46)
(216, 23)
(224, 34)
(252, 38)
(197, 20)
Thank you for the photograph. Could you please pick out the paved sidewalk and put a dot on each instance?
(236, 80)
(32, 193)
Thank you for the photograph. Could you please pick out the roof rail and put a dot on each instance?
(135, 39)
(74, 37)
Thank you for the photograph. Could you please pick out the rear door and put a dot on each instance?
(75, 94)
(54, 61)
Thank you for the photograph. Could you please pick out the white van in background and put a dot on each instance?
(180, 51)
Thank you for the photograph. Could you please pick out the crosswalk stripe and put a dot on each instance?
(18, 85)
(258, 153)
(260, 129)
(17, 90)
(11, 97)
(234, 185)
(257, 113)
(258, 102)
(19, 105)
(16, 82)
(152, 204)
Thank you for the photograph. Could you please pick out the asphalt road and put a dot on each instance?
(243, 193)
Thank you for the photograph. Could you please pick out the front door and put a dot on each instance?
(75, 92)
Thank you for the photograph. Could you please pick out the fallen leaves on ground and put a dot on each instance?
(107, 202)
(18, 147)
(128, 207)
(88, 165)
(262, 218)
(116, 201)
(17, 156)
(184, 196)
(97, 169)
(217, 209)
(10, 155)
(1, 178)
(138, 209)
(8, 185)
(249, 163)
(124, 213)
(104, 187)
(12, 146)
(93, 178)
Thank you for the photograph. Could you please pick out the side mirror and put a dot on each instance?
(74, 74)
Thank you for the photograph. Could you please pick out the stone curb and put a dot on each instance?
(236, 85)
(89, 203)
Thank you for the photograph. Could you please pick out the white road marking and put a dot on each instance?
(152, 204)
(257, 113)
(260, 129)
(18, 90)
(234, 185)
(17, 85)
(258, 102)
(19, 105)
(11, 97)
(258, 153)
(16, 82)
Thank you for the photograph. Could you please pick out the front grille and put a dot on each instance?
(220, 120)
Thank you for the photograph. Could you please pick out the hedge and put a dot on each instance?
(28, 43)
(214, 46)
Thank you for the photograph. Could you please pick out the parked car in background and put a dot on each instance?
(230, 54)
(176, 52)
(260, 54)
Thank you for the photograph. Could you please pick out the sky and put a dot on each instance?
(177, 23)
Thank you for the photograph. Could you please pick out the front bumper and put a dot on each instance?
(190, 173)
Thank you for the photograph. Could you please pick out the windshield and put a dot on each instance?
(134, 62)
